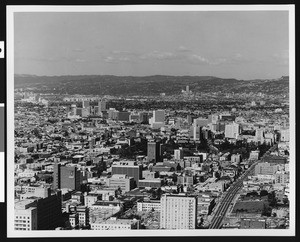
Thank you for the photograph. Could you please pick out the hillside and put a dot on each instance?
(147, 85)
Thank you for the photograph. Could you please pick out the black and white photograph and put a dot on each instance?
(151, 120)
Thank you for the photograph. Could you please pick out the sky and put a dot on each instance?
(229, 44)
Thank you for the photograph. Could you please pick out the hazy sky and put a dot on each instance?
(240, 44)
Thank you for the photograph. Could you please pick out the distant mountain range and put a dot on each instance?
(148, 85)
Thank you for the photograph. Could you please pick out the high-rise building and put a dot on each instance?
(56, 176)
(129, 168)
(189, 119)
(73, 109)
(197, 133)
(85, 104)
(285, 135)
(232, 131)
(259, 135)
(83, 215)
(49, 214)
(178, 154)
(144, 118)
(153, 151)
(39, 213)
(187, 89)
(159, 116)
(113, 113)
(101, 106)
(178, 212)
(123, 116)
(66, 177)
(25, 215)
(213, 118)
(201, 122)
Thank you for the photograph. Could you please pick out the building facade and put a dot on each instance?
(129, 168)
(178, 212)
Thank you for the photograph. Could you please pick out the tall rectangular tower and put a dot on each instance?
(56, 176)
(70, 177)
(153, 151)
(159, 116)
(101, 106)
(85, 104)
(178, 212)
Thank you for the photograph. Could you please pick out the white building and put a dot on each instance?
(148, 206)
(27, 173)
(178, 212)
(158, 119)
(259, 135)
(159, 116)
(232, 131)
(101, 106)
(236, 158)
(284, 135)
(178, 154)
(254, 154)
(115, 224)
(25, 215)
(90, 199)
(121, 181)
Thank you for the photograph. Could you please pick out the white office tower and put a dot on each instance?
(25, 215)
(196, 132)
(178, 154)
(101, 106)
(259, 135)
(159, 116)
(85, 104)
(232, 131)
(158, 119)
(85, 112)
(187, 89)
(73, 109)
(178, 212)
(284, 135)
(213, 118)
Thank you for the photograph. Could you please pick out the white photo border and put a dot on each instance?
(11, 233)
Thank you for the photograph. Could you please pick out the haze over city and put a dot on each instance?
(240, 44)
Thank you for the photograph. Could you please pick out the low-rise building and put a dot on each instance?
(115, 224)
(148, 206)
(121, 181)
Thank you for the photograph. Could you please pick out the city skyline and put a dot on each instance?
(239, 44)
(145, 119)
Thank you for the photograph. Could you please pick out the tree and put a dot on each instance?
(263, 193)
(272, 199)
(285, 200)
(118, 192)
(178, 168)
(174, 177)
(217, 175)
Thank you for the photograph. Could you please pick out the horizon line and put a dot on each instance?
(17, 74)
